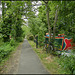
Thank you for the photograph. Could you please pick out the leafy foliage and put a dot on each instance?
(5, 50)
(12, 19)
(66, 17)
(68, 63)
(12, 42)
(37, 28)
(26, 31)
(19, 39)
(11, 24)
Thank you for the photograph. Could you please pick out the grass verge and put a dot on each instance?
(49, 61)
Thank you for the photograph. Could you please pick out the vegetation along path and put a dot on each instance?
(29, 61)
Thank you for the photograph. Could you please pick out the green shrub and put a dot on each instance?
(73, 36)
(30, 37)
(23, 35)
(12, 42)
(1, 41)
(5, 50)
(68, 63)
(19, 39)
(73, 51)
(41, 38)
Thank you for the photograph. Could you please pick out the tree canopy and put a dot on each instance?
(13, 12)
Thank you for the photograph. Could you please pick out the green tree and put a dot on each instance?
(12, 18)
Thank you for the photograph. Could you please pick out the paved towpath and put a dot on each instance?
(29, 62)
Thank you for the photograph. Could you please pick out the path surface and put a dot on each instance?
(29, 62)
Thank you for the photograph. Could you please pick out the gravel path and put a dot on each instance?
(29, 62)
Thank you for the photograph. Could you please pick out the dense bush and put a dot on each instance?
(73, 36)
(19, 39)
(68, 63)
(5, 50)
(23, 35)
(30, 37)
(12, 42)
(73, 50)
(41, 44)
(1, 39)
(41, 38)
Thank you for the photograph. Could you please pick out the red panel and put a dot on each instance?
(68, 43)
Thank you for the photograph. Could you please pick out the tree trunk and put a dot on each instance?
(49, 28)
(55, 23)
(47, 12)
